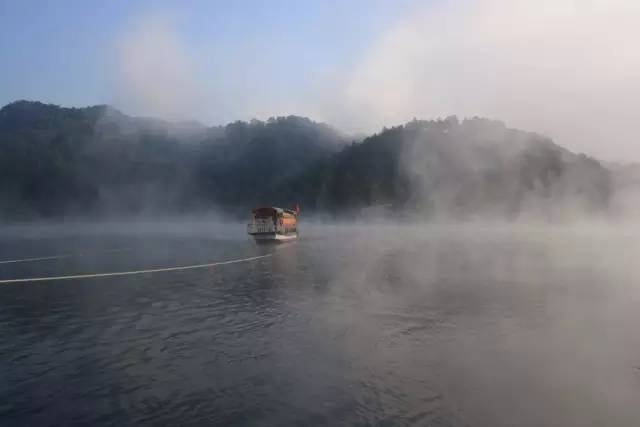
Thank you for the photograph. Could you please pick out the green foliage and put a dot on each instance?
(56, 161)
(454, 169)
(95, 160)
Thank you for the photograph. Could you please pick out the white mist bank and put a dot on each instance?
(315, 225)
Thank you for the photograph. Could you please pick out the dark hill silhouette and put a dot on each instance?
(455, 169)
(91, 161)
(96, 160)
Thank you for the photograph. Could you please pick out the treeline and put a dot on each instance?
(97, 161)
(452, 169)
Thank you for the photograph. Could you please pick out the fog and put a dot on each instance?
(154, 72)
(506, 294)
(562, 68)
(542, 316)
(469, 324)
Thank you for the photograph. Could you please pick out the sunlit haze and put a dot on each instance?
(319, 213)
(563, 68)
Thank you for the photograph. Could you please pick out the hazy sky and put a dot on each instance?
(565, 68)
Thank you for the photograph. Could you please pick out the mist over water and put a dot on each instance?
(359, 324)
(452, 270)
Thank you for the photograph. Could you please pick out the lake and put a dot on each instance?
(350, 325)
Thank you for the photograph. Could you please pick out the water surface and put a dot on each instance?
(350, 325)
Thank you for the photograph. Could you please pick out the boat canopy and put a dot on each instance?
(270, 211)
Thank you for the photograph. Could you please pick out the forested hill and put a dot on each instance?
(97, 161)
(453, 169)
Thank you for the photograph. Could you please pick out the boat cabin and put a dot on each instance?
(272, 223)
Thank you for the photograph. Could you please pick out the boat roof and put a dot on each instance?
(265, 209)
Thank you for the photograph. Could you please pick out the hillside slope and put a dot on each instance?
(454, 169)
(96, 160)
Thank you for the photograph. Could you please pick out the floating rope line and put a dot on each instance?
(61, 256)
(131, 273)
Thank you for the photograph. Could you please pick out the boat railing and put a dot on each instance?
(261, 226)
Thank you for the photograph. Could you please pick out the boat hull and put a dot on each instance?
(274, 237)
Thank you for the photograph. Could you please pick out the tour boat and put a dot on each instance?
(271, 224)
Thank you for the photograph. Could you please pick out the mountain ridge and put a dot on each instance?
(96, 160)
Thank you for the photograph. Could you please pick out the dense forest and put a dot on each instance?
(97, 161)
(66, 161)
(453, 169)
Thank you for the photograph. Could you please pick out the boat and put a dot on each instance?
(272, 224)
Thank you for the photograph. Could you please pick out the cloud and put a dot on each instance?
(156, 74)
(566, 68)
